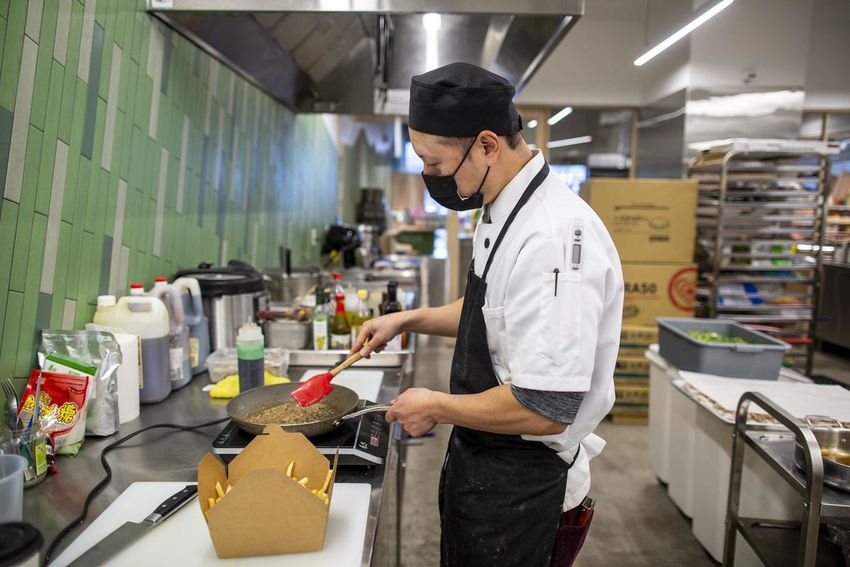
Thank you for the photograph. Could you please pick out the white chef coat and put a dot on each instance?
(541, 341)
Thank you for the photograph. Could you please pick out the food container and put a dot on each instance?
(834, 442)
(289, 288)
(12, 469)
(223, 363)
(267, 511)
(288, 334)
(759, 358)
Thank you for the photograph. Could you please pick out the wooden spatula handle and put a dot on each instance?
(348, 362)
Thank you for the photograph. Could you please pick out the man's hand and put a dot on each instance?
(378, 331)
(413, 409)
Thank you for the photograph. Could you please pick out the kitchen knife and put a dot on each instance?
(112, 544)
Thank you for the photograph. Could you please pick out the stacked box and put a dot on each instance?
(653, 225)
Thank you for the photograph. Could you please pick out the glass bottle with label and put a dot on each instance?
(338, 289)
(361, 313)
(340, 329)
(320, 322)
(393, 306)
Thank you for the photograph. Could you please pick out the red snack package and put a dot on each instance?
(63, 408)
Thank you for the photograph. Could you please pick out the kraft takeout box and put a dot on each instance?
(266, 512)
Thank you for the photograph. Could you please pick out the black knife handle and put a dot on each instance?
(174, 503)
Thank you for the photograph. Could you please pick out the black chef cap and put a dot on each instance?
(461, 100)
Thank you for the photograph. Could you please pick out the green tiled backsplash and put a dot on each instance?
(127, 153)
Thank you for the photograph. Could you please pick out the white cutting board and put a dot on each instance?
(798, 399)
(183, 539)
(366, 383)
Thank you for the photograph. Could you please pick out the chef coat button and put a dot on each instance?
(486, 243)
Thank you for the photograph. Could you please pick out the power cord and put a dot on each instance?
(104, 482)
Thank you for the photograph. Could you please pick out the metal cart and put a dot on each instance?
(760, 227)
(783, 543)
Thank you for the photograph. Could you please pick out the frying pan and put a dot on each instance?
(342, 401)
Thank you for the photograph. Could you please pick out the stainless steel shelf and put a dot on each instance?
(762, 308)
(760, 232)
(760, 205)
(794, 268)
(777, 543)
(727, 278)
(777, 449)
(764, 256)
(805, 221)
(759, 167)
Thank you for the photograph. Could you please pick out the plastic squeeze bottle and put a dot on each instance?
(249, 355)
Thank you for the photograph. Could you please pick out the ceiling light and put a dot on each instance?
(561, 114)
(569, 142)
(694, 24)
(432, 22)
(532, 123)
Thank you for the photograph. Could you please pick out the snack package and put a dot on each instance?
(62, 414)
(95, 354)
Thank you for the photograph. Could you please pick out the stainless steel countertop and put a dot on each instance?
(171, 455)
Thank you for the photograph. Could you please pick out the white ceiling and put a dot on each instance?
(593, 64)
(629, 10)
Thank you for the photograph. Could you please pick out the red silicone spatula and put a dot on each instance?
(319, 386)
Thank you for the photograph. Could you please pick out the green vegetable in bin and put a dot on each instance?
(715, 337)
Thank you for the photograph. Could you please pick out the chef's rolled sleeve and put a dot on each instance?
(552, 311)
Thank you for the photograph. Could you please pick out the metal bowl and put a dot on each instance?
(833, 440)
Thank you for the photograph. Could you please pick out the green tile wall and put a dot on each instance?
(127, 153)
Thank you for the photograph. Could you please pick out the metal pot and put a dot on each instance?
(286, 333)
(232, 295)
(342, 401)
(287, 288)
(835, 447)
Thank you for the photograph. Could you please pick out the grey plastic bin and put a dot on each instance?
(760, 359)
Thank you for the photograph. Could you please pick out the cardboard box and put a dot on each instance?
(630, 414)
(638, 336)
(650, 220)
(267, 512)
(658, 290)
(631, 351)
(631, 392)
(631, 366)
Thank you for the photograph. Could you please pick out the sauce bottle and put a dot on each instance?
(249, 356)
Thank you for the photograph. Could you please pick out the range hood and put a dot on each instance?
(357, 56)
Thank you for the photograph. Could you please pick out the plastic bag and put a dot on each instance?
(62, 408)
(73, 352)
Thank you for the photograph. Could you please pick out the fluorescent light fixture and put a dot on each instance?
(532, 123)
(569, 142)
(560, 115)
(694, 24)
(432, 22)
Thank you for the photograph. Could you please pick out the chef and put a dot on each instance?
(537, 329)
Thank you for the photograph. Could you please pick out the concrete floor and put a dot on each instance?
(635, 523)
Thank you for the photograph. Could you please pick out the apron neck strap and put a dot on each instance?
(532, 187)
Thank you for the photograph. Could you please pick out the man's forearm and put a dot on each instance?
(495, 410)
(440, 321)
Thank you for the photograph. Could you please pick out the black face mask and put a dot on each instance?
(443, 189)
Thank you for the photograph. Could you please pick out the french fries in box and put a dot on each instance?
(272, 499)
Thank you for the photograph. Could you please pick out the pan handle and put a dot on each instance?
(369, 409)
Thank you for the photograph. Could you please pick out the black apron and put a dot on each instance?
(501, 497)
